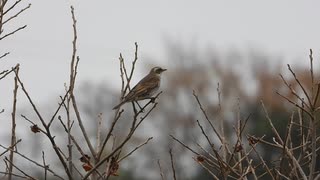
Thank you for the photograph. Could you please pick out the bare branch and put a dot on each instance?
(4, 55)
(205, 135)
(48, 132)
(11, 7)
(73, 72)
(45, 166)
(136, 148)
(99, 126)
(20, 170)
(172, 165)
(184, 145)
(15, 175)
(58, 109)
(32, 161)
(17, 14)
(294, 92)
(67, 130)
(11, 33)
(9, 148)
(312, 75)
(7, 72)
(114, 122)
(160, 169)
(298, 81)
(13, 129)
(274, 130)
(207, 118)
(115, 150)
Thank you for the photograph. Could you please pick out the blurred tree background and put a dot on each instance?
(245, 79)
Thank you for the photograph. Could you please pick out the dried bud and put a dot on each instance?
(35, 128)
(87, 166)
(238, 147)
(85, 159)
(252, 140)
(200, 159)
(113, 168)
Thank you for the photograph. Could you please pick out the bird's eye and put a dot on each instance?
(158, 70)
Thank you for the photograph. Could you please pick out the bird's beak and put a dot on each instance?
(164, 70)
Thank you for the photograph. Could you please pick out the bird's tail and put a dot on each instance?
(117, 106)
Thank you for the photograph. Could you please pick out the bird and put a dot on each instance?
(145, 88)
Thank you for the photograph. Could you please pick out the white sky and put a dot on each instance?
(106, 28)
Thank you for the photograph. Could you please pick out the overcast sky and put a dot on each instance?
(106, 28)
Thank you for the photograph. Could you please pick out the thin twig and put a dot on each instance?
(45, 166)
(20, 170)
(67, 130)
(6, 72)
(32, 161)
(114, 122)
(136, 148)
(73, 72)
(34, 124)
(205, 135)
(115, 150)
(224, 150)
(312, 75)
(160, 169)
(11, 7)
(17, 14)
(317, 95)
(263, 161)
(10, 147)
(58, 109)
(13, 128)
(4, 55)
(294, 103)
(99, 126)
(274, 130)
(298, 81)
(48, 132)
(132, 68)
(15, 175)
(206, 116)
(11, 33)
(172, 164)
(285, 144)
(184, 145)
(313, 147)
(294, 92)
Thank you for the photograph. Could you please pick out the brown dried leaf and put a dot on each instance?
(87, 166)
(252, 140)
(200, 159)
(35, 128)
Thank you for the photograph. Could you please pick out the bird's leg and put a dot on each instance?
(134, 107)
(153, 99)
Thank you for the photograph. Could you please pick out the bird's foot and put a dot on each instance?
(141, 108)
(153, 99)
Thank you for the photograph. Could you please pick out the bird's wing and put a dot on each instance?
(143, 88)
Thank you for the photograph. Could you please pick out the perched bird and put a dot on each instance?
(145, 88)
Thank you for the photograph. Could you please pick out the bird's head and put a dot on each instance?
(157, 70)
